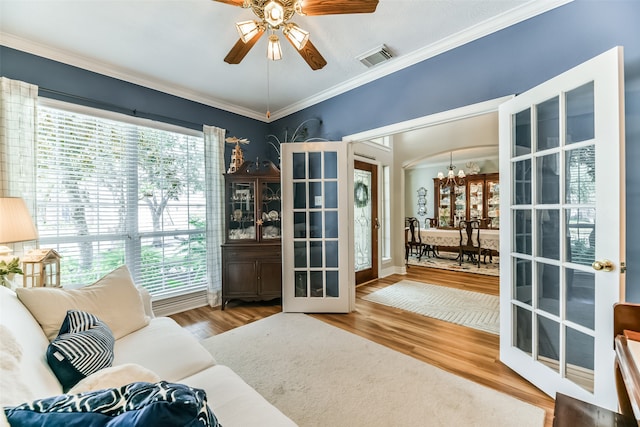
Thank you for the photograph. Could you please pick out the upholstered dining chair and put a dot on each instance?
(470, 241)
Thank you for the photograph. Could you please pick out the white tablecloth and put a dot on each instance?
(489, 239)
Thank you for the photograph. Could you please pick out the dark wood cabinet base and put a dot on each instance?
(251, 272)
(570, 412)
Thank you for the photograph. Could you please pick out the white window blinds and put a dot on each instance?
(111, 192)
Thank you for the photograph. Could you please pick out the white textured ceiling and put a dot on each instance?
(178, 46)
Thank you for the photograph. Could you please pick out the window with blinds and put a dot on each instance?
(113, 192)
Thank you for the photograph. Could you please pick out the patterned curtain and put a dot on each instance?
(18, 121)
(214, 170)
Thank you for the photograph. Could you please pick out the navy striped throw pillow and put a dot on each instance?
(83, 346)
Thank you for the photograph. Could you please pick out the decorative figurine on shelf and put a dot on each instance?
(472, 168)
(41, 267)
(237, 157)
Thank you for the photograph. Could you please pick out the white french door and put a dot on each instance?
(562, 229)
(317, 211)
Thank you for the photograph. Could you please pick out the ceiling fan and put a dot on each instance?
(276, 15)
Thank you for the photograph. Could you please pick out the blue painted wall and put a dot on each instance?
(95, 90)
(507, 62)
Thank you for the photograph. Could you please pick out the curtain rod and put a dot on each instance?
(118, 108)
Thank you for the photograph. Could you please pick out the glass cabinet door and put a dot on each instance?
(444, 207)
(460, 204)
(493, 202)
(241, 199)
(476, 200)
(270, 210)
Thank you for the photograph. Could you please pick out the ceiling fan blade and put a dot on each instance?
(335, 7)
(310, 54)
(231, 2)
(240, 49)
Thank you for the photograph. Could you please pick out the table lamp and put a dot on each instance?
(16, 224)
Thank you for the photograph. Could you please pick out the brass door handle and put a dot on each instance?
(605, 265)
(377, 224)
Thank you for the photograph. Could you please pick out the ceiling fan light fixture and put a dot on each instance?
(274, 50)
(297, 7)
(296, 35)
(274, 13)
(247, 30)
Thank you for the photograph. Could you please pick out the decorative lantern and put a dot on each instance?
(41, 267)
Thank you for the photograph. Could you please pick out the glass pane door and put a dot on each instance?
(317, 261)
(559, 144)
(362, 219)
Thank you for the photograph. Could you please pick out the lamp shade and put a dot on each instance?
(296, 35)
(274, 50)
(247, 30)
(16, 224)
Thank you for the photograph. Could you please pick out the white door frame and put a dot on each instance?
(397, 177)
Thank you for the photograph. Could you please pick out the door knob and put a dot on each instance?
(377, 223)
(605, 265)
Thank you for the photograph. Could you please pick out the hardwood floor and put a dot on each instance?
(466, 352)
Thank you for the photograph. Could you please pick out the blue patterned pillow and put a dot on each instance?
(83, 346)
(136, 404)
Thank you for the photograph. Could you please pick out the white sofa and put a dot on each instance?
(161, 346)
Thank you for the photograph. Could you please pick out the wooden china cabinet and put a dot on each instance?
(477, 198)
(251, 254)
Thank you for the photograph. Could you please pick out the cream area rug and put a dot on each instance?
(320, 375)
(447, 261)
(472, 309)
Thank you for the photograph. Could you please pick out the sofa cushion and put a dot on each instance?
(84, 346)
(114, 299)
(137, 404)
(114, 377)
(33, 369)
(165, 348)
(234, 402)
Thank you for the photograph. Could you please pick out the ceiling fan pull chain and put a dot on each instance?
(268, 91)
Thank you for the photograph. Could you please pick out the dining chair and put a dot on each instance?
(414, 244)
(470, 241)
(485, 223)
(426, 247)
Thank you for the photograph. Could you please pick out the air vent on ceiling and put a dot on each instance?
(375, 56)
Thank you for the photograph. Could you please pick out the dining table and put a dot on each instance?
(450, 237)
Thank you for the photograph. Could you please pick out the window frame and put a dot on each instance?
(133, 235)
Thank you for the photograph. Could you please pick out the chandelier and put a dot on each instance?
(451, 179)
(273, 16)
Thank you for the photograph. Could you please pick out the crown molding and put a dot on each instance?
(475, 32)
(495, 24)
(111, 70)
